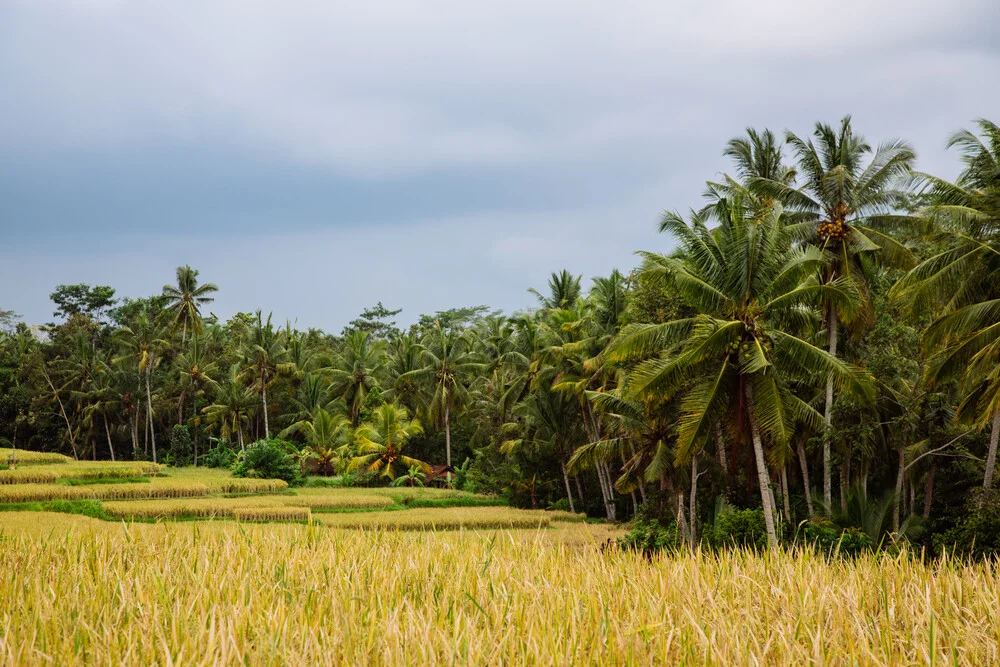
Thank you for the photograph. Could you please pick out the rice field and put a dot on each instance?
(260, 574)
(84, 591)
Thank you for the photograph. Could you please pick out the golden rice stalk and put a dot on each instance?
(271, 513)
(29, 475)
(23, 493)
(35, 458)
(245, 485)
(107, 593)
(450, 518)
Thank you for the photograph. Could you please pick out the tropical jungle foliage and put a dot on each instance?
(812, 354)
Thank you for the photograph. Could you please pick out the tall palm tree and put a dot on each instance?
(846, 199)
(564, 291)
(186, 298)
(733, 361)
(355, 372)
(449, 363)
(328, 436)
(381, 443)
(141, 344)
(230, 409)
(963, 281)
(197, 371)
(263, 359)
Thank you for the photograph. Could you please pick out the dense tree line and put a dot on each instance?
(823, 342)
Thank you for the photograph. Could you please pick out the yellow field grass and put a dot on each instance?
(41, 474)
(208, 594)
(222, 507)
(27, 456)
(446, 518)
(23, 493)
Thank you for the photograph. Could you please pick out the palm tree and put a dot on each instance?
(448, 365)
(381, 442)
(732, 362)
(962, 282)
(356, 370)
(263, 360)
(231, 407)
(141, 344)
(196, 372)
(564, 291)
(327, 437)
(845, 205)
(186, 298)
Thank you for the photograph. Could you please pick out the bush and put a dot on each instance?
(181, 446)
(977, 534)
(219, 456)
(650, 536)
(268, 459)
(745, 529)
(830, 538)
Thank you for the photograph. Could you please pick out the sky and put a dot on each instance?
(312, 158)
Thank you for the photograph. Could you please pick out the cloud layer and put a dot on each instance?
(314, 158)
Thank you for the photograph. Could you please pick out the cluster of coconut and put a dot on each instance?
(834, 231)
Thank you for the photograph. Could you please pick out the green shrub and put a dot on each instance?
(745, 529)
(181, 446)
(650, 536)
(830, 538)
(219, 456)
(977, 534)
(268, 459)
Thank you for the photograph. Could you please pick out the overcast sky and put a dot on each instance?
(312, 158)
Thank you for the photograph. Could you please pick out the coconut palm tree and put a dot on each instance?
(963, 282)
(263, 359)
(186, 298)
(564, 291)
(141, 344)
(197, 371)
(356, 370)
(846, 200)
(328, 436)
(230, 410)
(380, 443)
(449, 363)
(732, 362)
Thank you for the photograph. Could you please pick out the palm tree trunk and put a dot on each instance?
(693, 502)
(762, 477)
(784, 493)
(579, 488)
(62, 410)
(447, 434)
(149, 411)
(681, 519)
(107, 432)
(569, 494)
(804, 464)
(720, 445)
(899, 489)
(828, 410)
(991, 454)
(239, 430)
(263, 400)
(929, 491)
